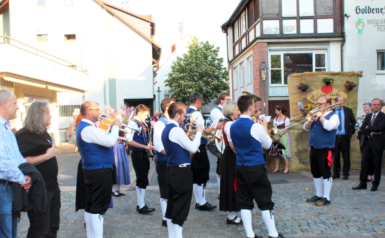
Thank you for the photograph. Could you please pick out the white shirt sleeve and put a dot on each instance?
(259, 133)
(198, 118)
(158, 129)
(332, 123)
(215, 116)
(130, 133)
(227, 130)
(92, 134)
(178, 136)
(275, 123)
(287, 122)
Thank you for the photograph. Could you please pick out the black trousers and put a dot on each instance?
(319, 163)
(99, 187)
(141, 166)
(252, 183)
(370, 165)
(219, 167)
(180, 189)
(46, 224)
(370, 156)
(200, 165)
(342, 145)
(161, 170)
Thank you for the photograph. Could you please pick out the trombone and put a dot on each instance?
(189, 126)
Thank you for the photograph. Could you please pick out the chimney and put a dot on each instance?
(172, 48)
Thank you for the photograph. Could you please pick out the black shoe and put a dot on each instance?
(233, 222)
(315, 198)
(336, 176)
(137, 208)
(360, 186)
(115, 194)
(121, 194)
(374, 188)
(164, 223)
(257, 236)
(146, 210)
(323, 202)
(207, 207)
(346, 177)
(196, 205)
(279, 236)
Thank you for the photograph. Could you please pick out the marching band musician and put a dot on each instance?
(139, 146)
(215, 115)
(161, 158)
(200, 162)
(228, 201)
(179, 174)
(323, 128)
(251, 174)
(95, 148)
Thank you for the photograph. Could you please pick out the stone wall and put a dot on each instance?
(298, 137)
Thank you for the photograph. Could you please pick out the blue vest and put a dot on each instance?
(189, 111)
(319, 137)
(176, 155)
(160, 156)
(93, 156)
(249, 150)
(141, 138)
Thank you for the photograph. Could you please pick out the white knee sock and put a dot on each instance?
(114, 188)
(90, 230)
(231, 215)
(268, 218)
(318, 186)
(163, 205)
(97, 221)
(170, 228)
(202, 195)
(137, 196)
(142, 195)
(195, 190)
(178, 231)
(117, 187)
(327, 187)
(247, 223)
(219, 183)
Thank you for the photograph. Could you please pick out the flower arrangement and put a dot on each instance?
(127, 113)
(307, 108)
(350, 85)
(328, 80)
(302, 86)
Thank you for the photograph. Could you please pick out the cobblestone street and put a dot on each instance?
(351, 213)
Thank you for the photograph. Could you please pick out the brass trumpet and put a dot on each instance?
(211, 135)
(107, 122)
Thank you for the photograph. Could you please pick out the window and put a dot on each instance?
(241, 75)
(236, 31)
(250, 14)
(381, 61)
(306, 26)
(289, 26)
(235, 77)
(67, 110)
(306, 8)
(70, 37)
(243, 23)
(270, 8)
(271, 27)
(325, 26)
(324, 7)
(289, 8)
(69, 2)
(42, 38)
(250, 69)
(286, 63)
(41, 3)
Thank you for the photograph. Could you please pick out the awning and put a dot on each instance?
(22, 81)
(64, 90)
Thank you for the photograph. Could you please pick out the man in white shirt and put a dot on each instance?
(323, 129)
(95, 147)
(179, 175)
(215, 115)
(161, 158)
(200, 162)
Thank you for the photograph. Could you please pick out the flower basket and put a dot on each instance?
(350, 85)
(302, 86)
(328, 80)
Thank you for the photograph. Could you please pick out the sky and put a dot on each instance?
(201, 18)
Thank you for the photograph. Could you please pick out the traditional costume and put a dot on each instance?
(284, 139)
(122, 167)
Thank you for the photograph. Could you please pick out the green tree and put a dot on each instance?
(198, 70)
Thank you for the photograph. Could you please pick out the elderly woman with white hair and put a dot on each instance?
(37, 147)
(228, 200)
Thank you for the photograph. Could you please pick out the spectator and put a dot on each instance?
(37, 148)
(10, 159)
(72, 129)
(342, 143)
(281, 122)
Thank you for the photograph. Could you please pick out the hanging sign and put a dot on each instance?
(328, 91)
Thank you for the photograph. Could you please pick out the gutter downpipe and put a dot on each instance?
(343, 31)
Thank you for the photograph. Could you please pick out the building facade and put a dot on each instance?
(291, 36)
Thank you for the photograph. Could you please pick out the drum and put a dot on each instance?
(220, 143)
(212, 148)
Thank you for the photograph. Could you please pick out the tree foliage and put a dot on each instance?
(198, 70)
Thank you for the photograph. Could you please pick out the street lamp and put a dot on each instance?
(159, 96)
(263, 70)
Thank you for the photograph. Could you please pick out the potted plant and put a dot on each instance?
(350, 85)
(328, 80)
(302, 86)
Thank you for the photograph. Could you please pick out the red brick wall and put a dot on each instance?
(259, 54)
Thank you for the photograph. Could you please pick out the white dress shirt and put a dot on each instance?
(197, 115)
(329, 125)
(130, 132)
(258, 132)
(227, 130)
(92, 134)
(158, 129)
(177, 135)
(216, 115)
